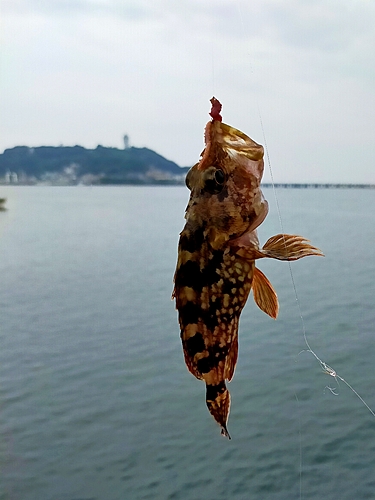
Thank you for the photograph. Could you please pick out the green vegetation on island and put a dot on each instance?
(78, 165)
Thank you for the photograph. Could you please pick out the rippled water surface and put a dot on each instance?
(95, 399)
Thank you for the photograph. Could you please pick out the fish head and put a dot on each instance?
(225, 197)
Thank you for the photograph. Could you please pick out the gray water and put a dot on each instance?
(95, 399)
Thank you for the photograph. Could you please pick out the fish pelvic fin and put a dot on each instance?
(264, 294)
(231, 359)
(218, 404)
(289, 247)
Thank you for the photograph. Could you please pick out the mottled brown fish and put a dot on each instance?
(216, 257)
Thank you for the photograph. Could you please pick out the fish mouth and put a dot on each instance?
(222, 141)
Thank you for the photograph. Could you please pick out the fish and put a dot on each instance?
(217, 250)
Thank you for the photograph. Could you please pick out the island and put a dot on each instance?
(64, 165)
(76, 165)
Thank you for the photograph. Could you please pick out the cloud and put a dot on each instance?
(130, 10)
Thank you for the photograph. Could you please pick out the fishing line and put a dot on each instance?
(326, 368)
(300, 447)
(290, 268)
(213, 69)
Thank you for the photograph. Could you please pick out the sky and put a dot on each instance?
(298, 75)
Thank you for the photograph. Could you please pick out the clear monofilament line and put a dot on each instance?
(326, 368)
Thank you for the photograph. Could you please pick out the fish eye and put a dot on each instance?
(188, 179)
(219, 176)
(214, 179)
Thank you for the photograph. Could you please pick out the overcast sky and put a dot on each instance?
(88, 71)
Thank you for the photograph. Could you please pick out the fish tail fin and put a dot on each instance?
(289, 247)
(218, 404)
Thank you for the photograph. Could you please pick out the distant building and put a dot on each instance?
(126, 141)
(11, 177)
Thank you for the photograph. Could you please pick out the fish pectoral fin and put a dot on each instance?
(289, 247)
(264, 294)
(250, 253)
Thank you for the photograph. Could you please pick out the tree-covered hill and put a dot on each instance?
(71, 165)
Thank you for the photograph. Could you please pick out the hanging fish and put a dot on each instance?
(216, 257)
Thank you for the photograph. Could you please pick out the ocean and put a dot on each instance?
(95, 400)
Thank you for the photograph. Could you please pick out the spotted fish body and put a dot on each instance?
(216, 257)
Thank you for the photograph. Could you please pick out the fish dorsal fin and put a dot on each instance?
(264, 294)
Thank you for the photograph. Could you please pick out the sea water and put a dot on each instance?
(95, 399)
